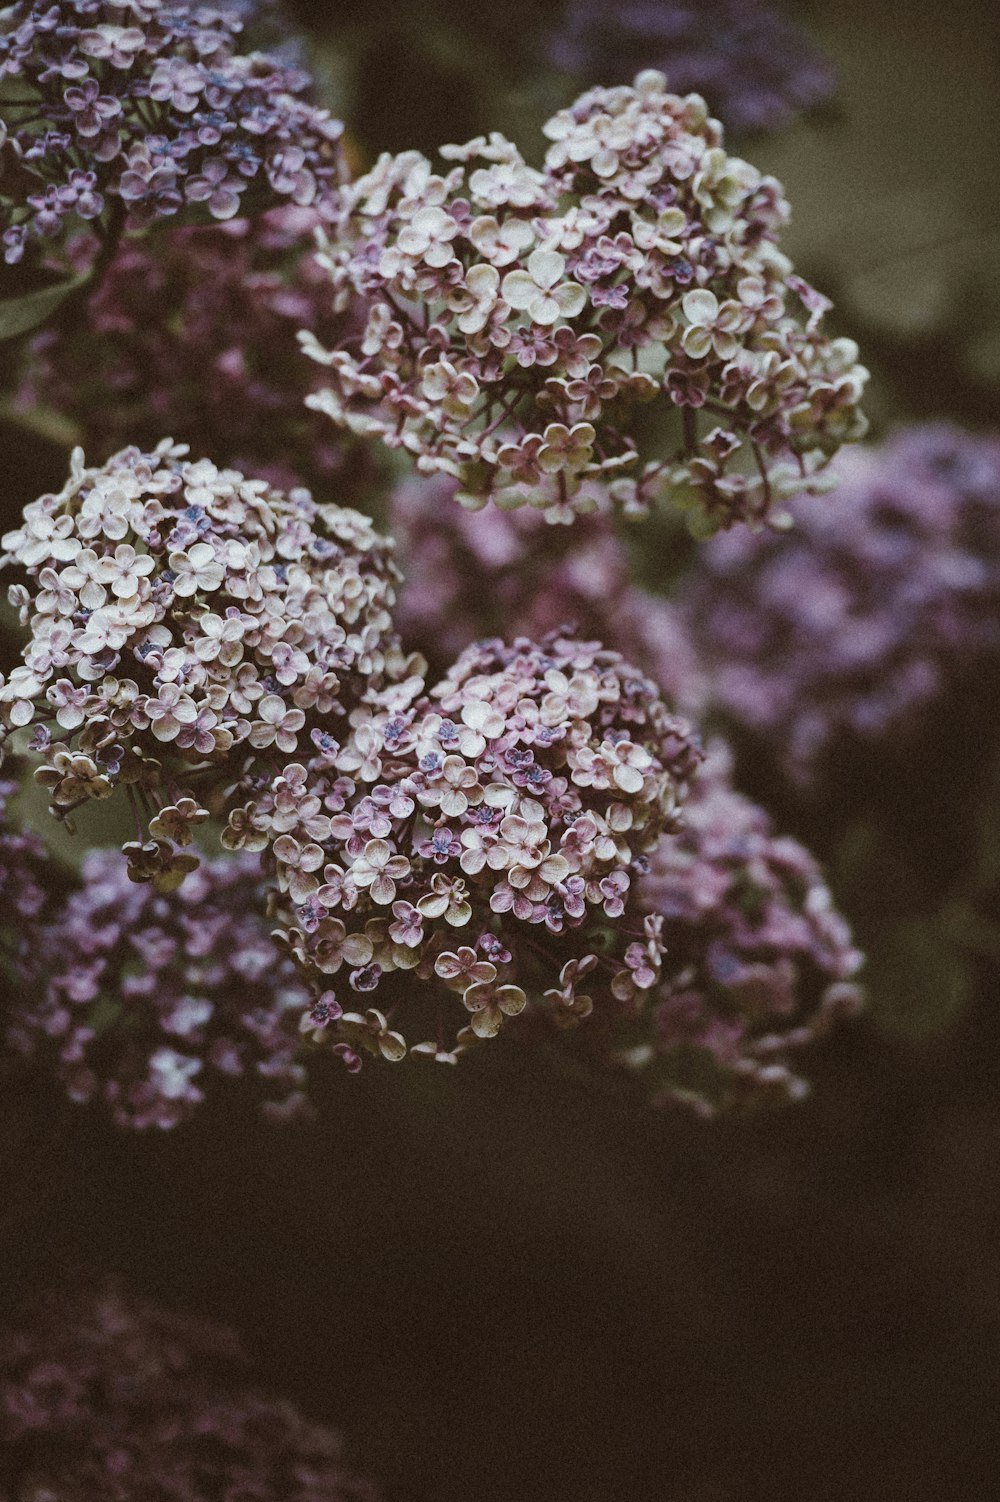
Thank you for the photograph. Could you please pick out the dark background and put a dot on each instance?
(511, 1282)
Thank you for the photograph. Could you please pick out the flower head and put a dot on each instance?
(115, 1398)
(515, 318)
(537, 777)
(850, 629)
(183, 618)
(149, 1002)
(150, 116)
(759, 962)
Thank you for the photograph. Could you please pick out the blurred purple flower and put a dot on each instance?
(110, 1399)
(193, 332)
(757, 70)
(759, 962)
(467, 576)
(150, 1003)
(854, 625)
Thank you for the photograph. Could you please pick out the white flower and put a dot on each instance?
(278, 725)
(500, 243)
(427, 237)
(170, 711)
(125, 568)
(476, 298)
(454, 389)
(510, 182)
(378, 868)
(196, 569)
(598, 140)
(711, 325)
(538, 292)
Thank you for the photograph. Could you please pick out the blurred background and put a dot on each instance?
(511, 1280)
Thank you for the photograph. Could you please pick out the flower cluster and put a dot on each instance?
(149, 1003)
(136, 110)
(187, 626)
(755, 68)
(25, 887)
(516, 317)
(850, 628)
(216, 363)
(483, 840)
(468, 576)
(110, 1399)
(760, 964)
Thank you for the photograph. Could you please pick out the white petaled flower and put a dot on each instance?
(276, 724)
(510, 182)
(476, 298)
(196, 570)
(171, 710)
(539, 290)
(378, 868)
(710, 325)
(500, 243)
(125, 568)
(426, 237)
(454, 389)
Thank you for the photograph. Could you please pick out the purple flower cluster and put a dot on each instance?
(25, 888)
(759, 962)
(756, 69)
(517, 317)
(851, 627)
(187, 626)
(110, 1400)
(472, 575)
(138, 110)
(483, 840)
(149, 1003)
(217, 364)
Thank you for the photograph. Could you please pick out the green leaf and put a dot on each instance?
(18, 315)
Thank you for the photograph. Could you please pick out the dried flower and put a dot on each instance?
(516, 317)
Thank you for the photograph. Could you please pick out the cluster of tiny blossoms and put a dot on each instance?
(136, 110)
(759, 962)
(110, 1399)
(851, 628)
(756, 69)
(25, 889)
(476, 850)
(150, 1003)
(188, 626)
(218, 365)
(516, 317)
(469, 575)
